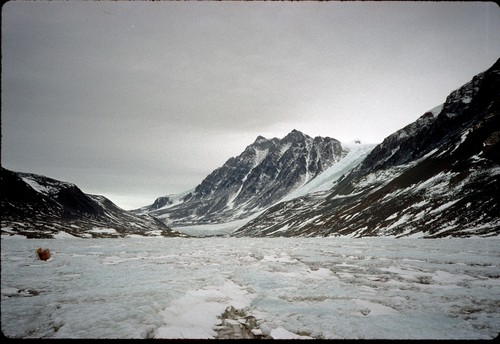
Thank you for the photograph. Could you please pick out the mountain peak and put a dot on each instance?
(294, 135)
(266, 171)
(259, 139)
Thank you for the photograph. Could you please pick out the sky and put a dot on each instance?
(138, 99)
(321, 288)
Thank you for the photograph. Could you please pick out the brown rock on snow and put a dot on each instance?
(43, 254)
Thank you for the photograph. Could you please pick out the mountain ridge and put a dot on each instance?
(41, 207)
(265, 172)
(437, 176)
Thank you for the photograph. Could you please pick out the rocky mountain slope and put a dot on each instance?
(436, 177)
(266, 172)
(39, 207)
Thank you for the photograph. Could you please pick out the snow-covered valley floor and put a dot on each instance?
(320, 288)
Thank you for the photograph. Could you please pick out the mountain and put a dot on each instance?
(263, 174)
(436, 177)
(39, 207)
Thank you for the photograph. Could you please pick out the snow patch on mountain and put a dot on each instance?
(325, 180)
(43, 185)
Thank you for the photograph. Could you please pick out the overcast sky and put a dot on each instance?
(135, 100)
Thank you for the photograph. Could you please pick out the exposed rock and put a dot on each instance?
(43, 254)
(236, 324)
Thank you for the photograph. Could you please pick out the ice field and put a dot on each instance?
(322, 288)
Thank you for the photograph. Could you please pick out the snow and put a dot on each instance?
(63, 235)
(43, 189)
(176, 200)
(437, 184)
(437, 110)
(281, 333)
(284, 148)
(215, 229)
(402, 219)
(260, 155)
(194, 314)
(444, 206)
(380, 176)
(325, 180)
(392, 217)
(296, 288)
(371, 308)
(281, 229)
(103, 230)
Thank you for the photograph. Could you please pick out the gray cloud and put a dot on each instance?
(140, 99)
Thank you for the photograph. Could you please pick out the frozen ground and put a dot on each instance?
(277, 287)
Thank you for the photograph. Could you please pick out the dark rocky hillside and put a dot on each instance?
(39, 207)
(438, 176)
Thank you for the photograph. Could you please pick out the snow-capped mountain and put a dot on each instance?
(266, 172)
(438, 176)
(39, 207)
